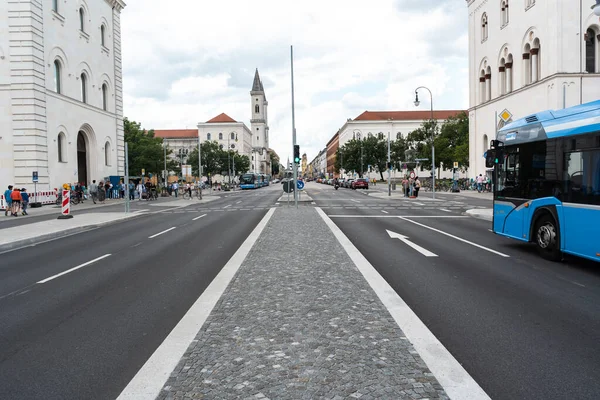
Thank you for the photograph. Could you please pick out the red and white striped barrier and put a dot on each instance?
(2, 203)
(65, 211)
(44, 197)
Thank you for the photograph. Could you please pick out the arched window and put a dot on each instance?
(484, 27)
(529, 3)
(527, 64)
(502, 76)
(380, 135)
(208, 136)
(103, 35)
(57, 76)
(83, 88)
(107, 154)
(535, 61)
(509, 73)
(398, 135)
(485, 143)
(590, 51)
(232, 135)
(60, 146)
(220, 136)
(504, 12)
(104, 97)
(256, 108)
(55, 5)
(369, 134)
(488, 83)
(81, 19)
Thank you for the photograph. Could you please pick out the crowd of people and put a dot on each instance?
(16, 200)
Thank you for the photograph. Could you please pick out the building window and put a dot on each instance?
(57, 76)
(380, 135)
(208, 136)
(81, 19)
(107, 154)
(488, 84)
(482, 87)
(485, 143)
(484, 27)
(535, 61)
(529, 4)
(103, 35)
(60, 145)
(502, 77)
(256, 108)
(232, 135)
(504, 12)
(509, 76)
(83, 88)
(104, 97)
(220, 136)
(398, 135)
(527, 64)
(591, 42)
(55, 6)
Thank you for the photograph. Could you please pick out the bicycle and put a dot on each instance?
(195, 193)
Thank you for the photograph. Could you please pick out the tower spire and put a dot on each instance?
(257, 85)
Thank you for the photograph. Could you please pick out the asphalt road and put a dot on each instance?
(85, 334)
(524, 328)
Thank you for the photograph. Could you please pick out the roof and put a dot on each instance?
(406, 115)
(221, 118)
(176, 133)
(257, 85)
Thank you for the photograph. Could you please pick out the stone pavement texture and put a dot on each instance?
(300, 322)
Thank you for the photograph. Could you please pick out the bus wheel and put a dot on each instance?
(546, 238)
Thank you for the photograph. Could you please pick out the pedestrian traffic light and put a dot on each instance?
(297, 154)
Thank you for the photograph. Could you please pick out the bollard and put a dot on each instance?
(66, 205)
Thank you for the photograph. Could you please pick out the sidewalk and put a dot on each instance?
(290, 327)
(54, 209)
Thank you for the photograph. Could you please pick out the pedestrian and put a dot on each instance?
(479, 183)
(417, 186)
(140, 190)
(15, 196)
(24, 200)
(405, 186)
(131, 191)
(175, 188)
(94, 191)
(8, 200)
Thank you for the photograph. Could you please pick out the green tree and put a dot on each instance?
(145, 151)
(274, 163)
(420, 141)
(398, 151)
(241, 163)
(349, 156)
(214, 159)
(453, 142)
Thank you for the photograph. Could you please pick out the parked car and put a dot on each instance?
(360, 183)
(348, 183)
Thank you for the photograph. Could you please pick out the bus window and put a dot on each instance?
(582, 177)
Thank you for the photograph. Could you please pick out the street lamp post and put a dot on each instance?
(359, 137)
(417, 102)
(228, 155)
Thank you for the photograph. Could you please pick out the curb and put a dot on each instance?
(5, 248)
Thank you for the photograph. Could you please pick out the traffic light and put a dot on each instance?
(297, 154)
(490, 158)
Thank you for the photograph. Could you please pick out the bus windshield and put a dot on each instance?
(247, 178)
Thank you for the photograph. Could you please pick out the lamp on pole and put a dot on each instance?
(358, 136)
(417, 102)
(228, 154)
(596, 8)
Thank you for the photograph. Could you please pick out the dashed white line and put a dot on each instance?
(356, 201)
(419, 204)
(443, 209)
(74, 268)
(238, 202)
(455, 237)
(160, 233)
(227, 206)
(203, 215)
(385, 212)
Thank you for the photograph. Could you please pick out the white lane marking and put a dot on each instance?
(443, 209)
(491, 230)
(136, 245)
(455, 380)
(160, 233)
(74, 268)
(313, 203)
(203, 215)
(396, 216)
(385, 212)
(404, 239)
(238, 202)
(356, 201)
(419, 204)
(150, 379)
(276, 204)
(227, 206)
(455, 237)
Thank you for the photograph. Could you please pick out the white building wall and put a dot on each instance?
(244, 138)
(560, 27)
(31, 108)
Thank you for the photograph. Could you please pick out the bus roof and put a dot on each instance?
(576, 120)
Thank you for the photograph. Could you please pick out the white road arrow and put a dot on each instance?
(404, 239)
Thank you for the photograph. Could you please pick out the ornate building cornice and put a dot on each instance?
(118, 4)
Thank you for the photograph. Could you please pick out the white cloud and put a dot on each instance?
(191, 60)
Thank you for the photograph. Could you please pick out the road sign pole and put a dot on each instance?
(127, 179)
(293, 125)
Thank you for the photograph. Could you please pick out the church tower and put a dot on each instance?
(260, 127)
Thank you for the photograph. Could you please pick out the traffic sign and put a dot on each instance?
(505, 115)
(34, 176)
(143, 172)
(300, 184)
(412, 174)
(455, 164)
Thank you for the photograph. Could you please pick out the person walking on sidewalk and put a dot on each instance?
(24, 200)
(175, 188)
(15, 196)
(94, 191)
(417, 186)
(8, 200)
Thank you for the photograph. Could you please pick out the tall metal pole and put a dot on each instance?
(432, 138)
(126, 179)
(389, 169)
(294, 129)
(199, 166)
(165, 160)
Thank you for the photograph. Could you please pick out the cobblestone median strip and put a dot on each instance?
(300, 324)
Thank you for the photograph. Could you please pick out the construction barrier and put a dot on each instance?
(65, 211)
(2, 203)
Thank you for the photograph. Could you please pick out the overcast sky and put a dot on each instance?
(186, 61)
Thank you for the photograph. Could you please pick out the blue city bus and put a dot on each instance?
(266, 179)
(250, 181)
(547, 181)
